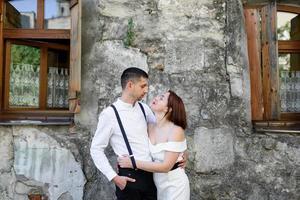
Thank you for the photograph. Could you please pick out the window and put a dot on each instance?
(288, 32)
(273, 36)
(39, 42)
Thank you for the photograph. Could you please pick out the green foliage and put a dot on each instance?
(284, 62)
(128, 41)
(25, 55)
(284, 31)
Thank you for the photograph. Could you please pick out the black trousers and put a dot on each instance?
(142, 189)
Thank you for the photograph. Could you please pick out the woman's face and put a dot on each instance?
(160, 102)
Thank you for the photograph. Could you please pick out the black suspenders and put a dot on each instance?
(142, 108)
(124, 134)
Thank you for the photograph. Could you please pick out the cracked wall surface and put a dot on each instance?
(39, 160)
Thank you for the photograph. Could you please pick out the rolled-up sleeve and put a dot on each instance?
(100, 142)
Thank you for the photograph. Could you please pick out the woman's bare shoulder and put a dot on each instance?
(177, 134)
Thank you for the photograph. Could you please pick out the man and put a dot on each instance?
(134, 82)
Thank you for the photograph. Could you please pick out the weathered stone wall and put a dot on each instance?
(40, 160)
(198, 49)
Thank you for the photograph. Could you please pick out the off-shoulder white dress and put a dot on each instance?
(173, 185)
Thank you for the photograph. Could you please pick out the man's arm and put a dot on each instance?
(99, 143)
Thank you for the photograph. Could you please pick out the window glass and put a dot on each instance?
(288, 26)
(24, 76)
(20, 14)
(57, 14)
(289, 69)
(58, 79)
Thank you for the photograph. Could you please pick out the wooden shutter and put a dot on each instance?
(269, 62)
(295, 35)
(1, 54)
(252, 24)
(75, 57)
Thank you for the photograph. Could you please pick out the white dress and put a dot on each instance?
(173, 185)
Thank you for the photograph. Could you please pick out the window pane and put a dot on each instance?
(288, 26)
(20, 14)
(58, 79)
(57, 14)
(289, 68)
(24, 76)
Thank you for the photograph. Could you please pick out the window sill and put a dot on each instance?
(277, 127)
(34, 122)
(37, 118)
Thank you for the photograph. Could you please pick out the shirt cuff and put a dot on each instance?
(111, 175)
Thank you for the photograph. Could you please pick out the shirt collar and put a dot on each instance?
(124, 104)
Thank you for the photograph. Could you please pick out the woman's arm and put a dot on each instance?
(150, 130)
(165, 166)
(170, 158)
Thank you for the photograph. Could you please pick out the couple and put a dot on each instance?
(155, 143)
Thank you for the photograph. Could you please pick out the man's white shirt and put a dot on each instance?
(108, 132)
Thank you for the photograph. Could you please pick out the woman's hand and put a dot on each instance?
(184, 159)
(125, 162)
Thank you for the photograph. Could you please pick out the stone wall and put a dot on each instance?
(40, 160)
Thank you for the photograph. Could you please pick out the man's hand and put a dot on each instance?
(125, 162)
(121, 181)
(183, 161)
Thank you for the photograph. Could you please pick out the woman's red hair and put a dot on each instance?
(177, 114)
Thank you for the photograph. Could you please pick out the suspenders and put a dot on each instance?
(142, 108)
(124, 134)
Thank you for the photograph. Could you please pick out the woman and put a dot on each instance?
(167, 142)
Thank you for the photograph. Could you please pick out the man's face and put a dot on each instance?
(140, 88)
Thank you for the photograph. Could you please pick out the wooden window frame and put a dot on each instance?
(289, 46)
(265, 103)
(1, 52)
(31, 37)
(43, 46)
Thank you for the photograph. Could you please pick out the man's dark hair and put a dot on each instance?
(133, 74)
